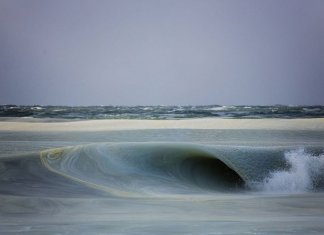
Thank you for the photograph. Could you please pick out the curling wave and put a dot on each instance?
(161, 169)
(137, 169)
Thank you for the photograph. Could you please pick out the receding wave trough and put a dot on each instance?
(161, 170)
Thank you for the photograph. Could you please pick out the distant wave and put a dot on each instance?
(160, 112)
(160, 170)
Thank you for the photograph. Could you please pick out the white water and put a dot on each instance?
(304, 172)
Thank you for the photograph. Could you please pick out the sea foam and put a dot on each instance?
(305, 172)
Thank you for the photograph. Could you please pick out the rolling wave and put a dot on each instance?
(137, 169)
(160, 170)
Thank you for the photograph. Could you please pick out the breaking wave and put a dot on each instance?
(161, 169)
(305, 172)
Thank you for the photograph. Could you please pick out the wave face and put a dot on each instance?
(161, 112)
(144, 169)
(161, 170)
(25, 175)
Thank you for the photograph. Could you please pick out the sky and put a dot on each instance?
(162, 52)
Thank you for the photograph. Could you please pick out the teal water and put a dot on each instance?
(162, 182)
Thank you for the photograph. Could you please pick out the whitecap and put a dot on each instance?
(304, 174)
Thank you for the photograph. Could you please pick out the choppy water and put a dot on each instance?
(161, 112)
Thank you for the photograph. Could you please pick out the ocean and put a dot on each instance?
(172, 170)
(160, 112)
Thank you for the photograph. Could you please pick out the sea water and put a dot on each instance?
(160, 112)
(167, 181)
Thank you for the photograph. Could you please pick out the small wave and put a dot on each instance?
(305, 172)
(311, 109)
(148, 108)
(36, 108)
(221, 108)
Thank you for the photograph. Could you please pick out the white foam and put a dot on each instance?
(147, 108)
(217, 108)
(36, 108)
(304, 172)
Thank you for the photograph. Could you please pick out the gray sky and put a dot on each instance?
(130, 52)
